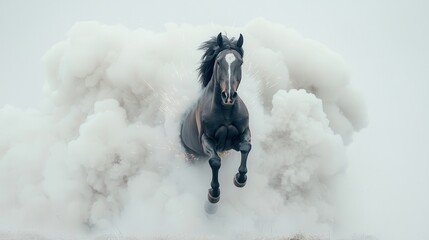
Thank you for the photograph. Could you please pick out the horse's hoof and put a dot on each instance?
(211, 198)
(239, 184)
(210, 208)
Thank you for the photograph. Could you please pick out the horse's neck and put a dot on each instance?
(214, 90)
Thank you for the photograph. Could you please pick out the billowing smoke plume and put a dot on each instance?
(104, 155)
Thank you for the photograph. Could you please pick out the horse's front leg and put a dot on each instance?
(244, 147)
(209, 147)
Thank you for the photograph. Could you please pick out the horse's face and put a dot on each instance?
(228, 75)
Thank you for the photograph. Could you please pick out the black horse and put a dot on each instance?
(219, 121)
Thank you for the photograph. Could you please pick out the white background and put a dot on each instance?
(385, 44)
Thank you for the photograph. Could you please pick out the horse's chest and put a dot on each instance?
(226, 137)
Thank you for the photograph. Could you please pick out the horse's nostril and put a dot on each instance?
(224, 95)
(234, 95)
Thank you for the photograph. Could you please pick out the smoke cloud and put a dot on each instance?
(103, 154)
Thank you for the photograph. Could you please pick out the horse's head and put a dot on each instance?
(227, 71)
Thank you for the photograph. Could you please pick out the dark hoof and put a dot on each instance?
(211, 198)
(239, 184)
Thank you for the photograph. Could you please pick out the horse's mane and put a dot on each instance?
(212, 49)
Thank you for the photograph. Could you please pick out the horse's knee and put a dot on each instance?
(215, 163)
(245, 147)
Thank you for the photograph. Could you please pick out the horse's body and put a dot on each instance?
(219, 121)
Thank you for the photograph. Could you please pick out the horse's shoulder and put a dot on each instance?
(242, 109)
(210, 120)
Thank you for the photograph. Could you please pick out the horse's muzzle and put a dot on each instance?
(227, 98)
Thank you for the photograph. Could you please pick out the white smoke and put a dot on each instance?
(103, 154)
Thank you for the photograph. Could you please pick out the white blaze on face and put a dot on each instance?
(230, 58)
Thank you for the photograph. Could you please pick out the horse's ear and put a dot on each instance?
(219, 40)
(240, 41)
